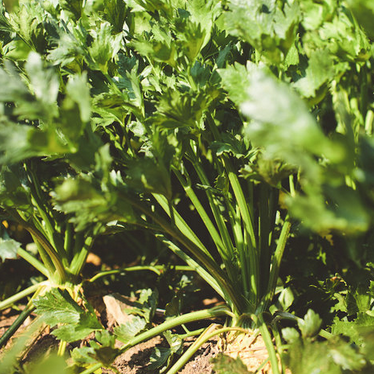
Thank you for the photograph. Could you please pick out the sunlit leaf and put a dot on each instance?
(8, 249)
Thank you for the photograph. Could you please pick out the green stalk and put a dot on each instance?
(199, 253)
(155, 269)
(47, 261)
(194, 265)
(20, 295)
(33, 261)
(175, 322)
(246, 214)
(80, 257)
(275, 264)
(68, 240)
(180, 223)
(248, 224)
(263, 236)
(200, 209)
(269, 345)
(40, 238)
(206, 336)
(49, 229)
(16, 324)
(227, 252)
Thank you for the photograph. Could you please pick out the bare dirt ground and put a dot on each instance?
(250, 349)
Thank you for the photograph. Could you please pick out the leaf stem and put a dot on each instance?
(177, 321)
(275, 264)
(33, 261)
(16, 324)
(269, 345)
(210, 265)
(20, 295)
(208, 334)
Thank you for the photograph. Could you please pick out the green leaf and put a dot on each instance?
(115, 12)
(315, 14)
(363, 10)
(310, 325)
(17, 49)
(71, 48)
(20, 142)
(105, 46)
(146, 304)
(150, 176)
(261, 23)
(227, 365)
(339, 208)
(14, 89)
(8, 249)
(291, 335)
(346, 357)
(51, 363)
(234, 145)
(159, 358)
(28, 21)
(162, 357)
(44, 82)
(280, 121)
(14, 188)
(235, 80)
(126, 332)
(78, 331)
(320, 71)
(332, 357)
(78, 90)
(58, 307)
(91, 203)
(73, 8)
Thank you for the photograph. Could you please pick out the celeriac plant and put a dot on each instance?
(196, 121)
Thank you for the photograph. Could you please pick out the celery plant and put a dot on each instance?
(197, 121)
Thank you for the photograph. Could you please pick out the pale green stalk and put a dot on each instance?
(251, 251)
(209, 333)
(200, 209)
(211, 281)
(20, 295)
(227, 252)
(39, 238)
(274, 361)
(33, 261)
(180, 223)
(204, 258)
(80, 256)
(275, 264)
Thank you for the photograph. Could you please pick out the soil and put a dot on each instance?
(110, 310)
(251, 349)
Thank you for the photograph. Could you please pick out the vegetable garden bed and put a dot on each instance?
(173, 152)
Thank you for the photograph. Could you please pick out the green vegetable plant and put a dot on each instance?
(203, 123)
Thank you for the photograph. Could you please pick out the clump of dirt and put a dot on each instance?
(201, 362)
(136, 359)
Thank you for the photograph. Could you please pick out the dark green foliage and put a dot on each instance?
(221, 129)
